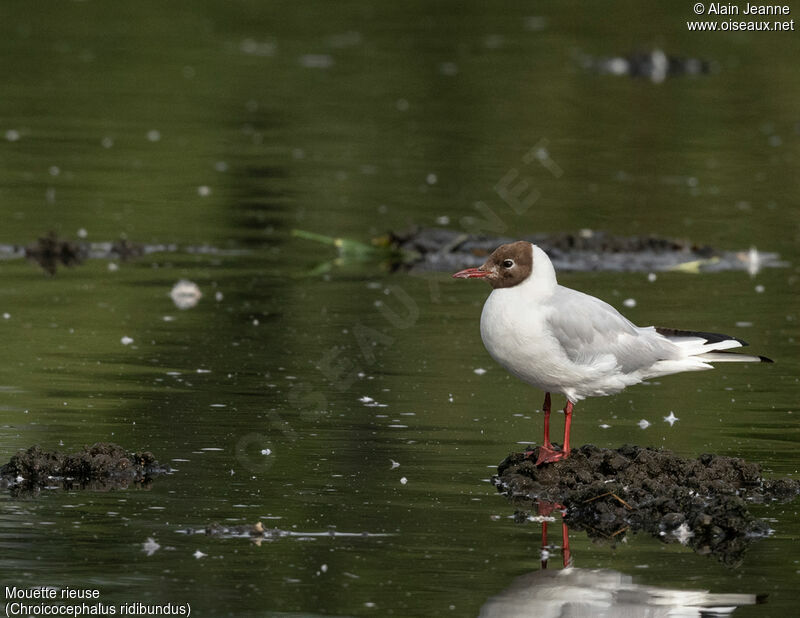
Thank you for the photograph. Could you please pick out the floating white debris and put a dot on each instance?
(403, 480)
(671, 419)
(450, 397)
(366, 399)
(394, 464)
(198, 554)
(258, 48)
(479, 371)
(185, 294)
(126, 340)
(760, 288)
(682, 533)
(753, 260)
(604, 426)
(644, 424)
(448, 68)
(443, 220)
(203, 190)
(153, 135)
(651, 277)
(323, 568)
(82, 233)
(266, 451)
(629, 302)
(218, 296)
(107, 142)
(316, 61)
(12, 135)
(6, 316)
(431, 179)
(113, 267)
(150, 546)
(744, 324)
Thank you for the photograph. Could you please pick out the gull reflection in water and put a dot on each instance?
(571, 592)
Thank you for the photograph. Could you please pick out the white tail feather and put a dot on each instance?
(722, 357)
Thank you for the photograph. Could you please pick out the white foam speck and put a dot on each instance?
(316, 61)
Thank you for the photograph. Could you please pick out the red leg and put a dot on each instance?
(545, 508)
(567, 426)
(548, 454)
(566, 555)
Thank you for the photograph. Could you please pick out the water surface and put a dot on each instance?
(228, 125)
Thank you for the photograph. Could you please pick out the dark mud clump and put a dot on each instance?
(702, 503)
(102, 466)
(50, 252)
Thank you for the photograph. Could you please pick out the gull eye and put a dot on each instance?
(508, 263)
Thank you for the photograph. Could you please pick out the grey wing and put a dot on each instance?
(588, 329)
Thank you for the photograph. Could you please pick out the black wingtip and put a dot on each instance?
(709, 337)
(764, 359)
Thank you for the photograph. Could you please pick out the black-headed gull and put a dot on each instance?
(564, 341)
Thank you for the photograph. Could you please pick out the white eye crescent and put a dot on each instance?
(508, 263)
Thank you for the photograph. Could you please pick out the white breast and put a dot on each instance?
(513, 331)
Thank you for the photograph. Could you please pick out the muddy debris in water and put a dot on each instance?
(258, 533)
(441, 249)
(654, 65)
(103, 466)
(50, 252)
(702, 503)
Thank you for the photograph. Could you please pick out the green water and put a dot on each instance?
(228, 124)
